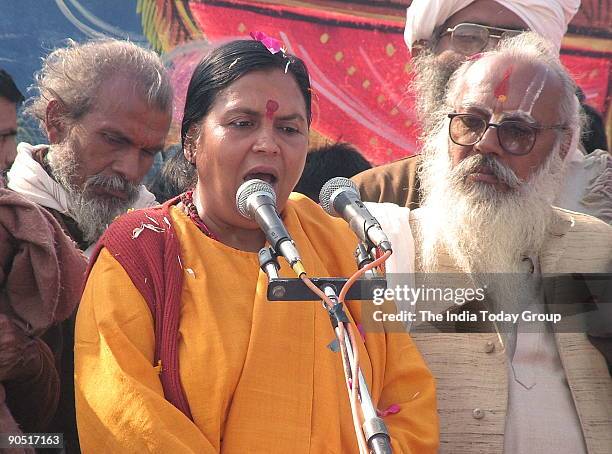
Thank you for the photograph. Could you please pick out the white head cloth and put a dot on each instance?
(548, 18)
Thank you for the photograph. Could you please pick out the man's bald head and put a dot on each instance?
(524, 59)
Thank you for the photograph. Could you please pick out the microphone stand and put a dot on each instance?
(374, 428)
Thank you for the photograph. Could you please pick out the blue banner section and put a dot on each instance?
(30, 29)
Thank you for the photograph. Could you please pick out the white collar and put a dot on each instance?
(30, 179)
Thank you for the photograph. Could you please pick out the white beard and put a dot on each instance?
(92, 214)
(484, 230)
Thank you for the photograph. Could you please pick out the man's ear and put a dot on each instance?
(568, 141)
(55, 121)
(418, 47)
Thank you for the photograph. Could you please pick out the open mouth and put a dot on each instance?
(267, 177)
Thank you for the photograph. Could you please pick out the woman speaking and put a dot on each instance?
(178, 349)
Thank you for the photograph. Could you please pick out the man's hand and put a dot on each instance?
(19, 355)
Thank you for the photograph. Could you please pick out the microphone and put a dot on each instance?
(340, 198)
(256, 200)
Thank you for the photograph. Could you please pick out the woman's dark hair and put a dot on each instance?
(226, 64)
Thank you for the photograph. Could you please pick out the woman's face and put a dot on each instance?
(256, 128)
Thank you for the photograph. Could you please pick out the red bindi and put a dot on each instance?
(271, 107)
(501, 91)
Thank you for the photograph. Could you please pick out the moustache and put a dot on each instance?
(115, 183)
(503, 173)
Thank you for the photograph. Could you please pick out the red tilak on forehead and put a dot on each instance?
(271, 107)
(501, 91)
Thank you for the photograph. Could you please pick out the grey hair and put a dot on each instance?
(530, 48)
(73, 75)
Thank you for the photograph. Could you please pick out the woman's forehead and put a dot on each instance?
(257, 88)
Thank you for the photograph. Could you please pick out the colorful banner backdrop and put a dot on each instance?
(30, 29)
(359, 65)
(359, 73)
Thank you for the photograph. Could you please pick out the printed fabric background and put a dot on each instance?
(359, 65)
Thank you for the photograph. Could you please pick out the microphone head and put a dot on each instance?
(248, 192)
(331, 189)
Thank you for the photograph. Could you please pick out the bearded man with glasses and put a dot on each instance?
(491, 168)
(442, 34)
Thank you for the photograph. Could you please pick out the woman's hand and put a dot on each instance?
(19, 355)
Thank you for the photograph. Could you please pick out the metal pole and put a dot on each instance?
(374, 428)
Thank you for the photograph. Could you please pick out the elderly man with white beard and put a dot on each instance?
(492, 166)
(441, 34)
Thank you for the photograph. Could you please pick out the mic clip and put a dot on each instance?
(336, 313)
(365, 253)
(268, 262)
(363, 256)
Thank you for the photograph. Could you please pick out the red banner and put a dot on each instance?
(359, 68)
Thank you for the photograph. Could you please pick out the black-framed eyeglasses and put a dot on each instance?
(469, 39)
(516, 137)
